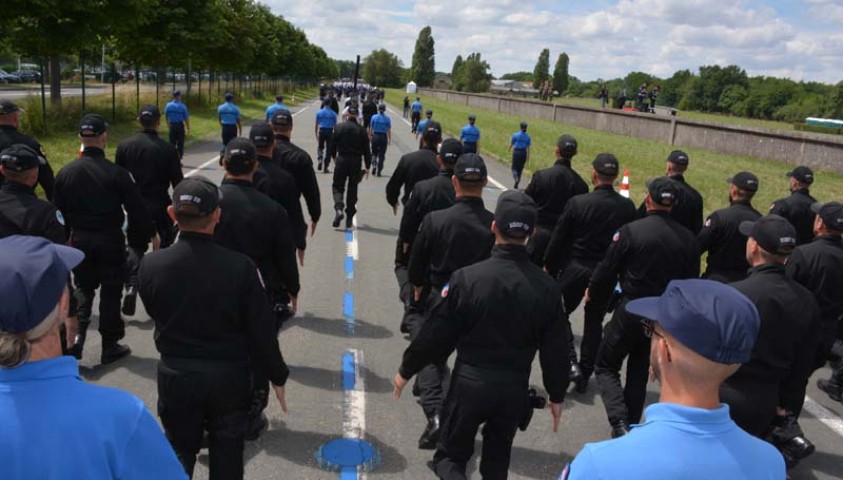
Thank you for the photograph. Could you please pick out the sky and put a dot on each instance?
(798, 39)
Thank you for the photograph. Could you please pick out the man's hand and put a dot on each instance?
(279, 394)
(294, 306)
(71, 328)
(156, 242)
(300, 253)
(406, 247)
(417, 291)
(395, 210)
(312, 228)
(587, 295)
(366, 173)
(398, 384)
(555, 411)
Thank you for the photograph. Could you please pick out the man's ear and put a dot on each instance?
(171, 212)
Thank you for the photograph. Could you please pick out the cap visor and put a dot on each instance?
(647, 307)
(69, 255)
(746, 227)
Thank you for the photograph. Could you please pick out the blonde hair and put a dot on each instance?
(15, 348)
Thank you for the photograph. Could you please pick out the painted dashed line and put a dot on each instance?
(824, 415)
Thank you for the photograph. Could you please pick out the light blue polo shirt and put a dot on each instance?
(416, 106)
(380, 123)
(54, 425)
(520, 140)
(229, 113)
(470, 134)
(326, 117)
(678, 442)
(421, 125)
(176, 112)
(270, 110)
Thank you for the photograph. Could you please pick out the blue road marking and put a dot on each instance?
(348, 473)
(349, 268)
(348, 306)
(348, 371)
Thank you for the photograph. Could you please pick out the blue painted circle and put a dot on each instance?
(345, 452)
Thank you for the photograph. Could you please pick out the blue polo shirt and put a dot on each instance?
(520, 140)
(229, 113)
(380, 123)
(176, 112)
(421, 125)
(470, 134)
(54, 425)
(416, 106)
(681, 442)
(270, 110)
(326, 118)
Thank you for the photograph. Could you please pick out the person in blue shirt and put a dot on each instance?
(54, 424)
(229, 116)
(701, 332)
(470, 136)
(415, 115)
(279, 103)
(178, 121)
(326, 120)
(519, 145)
(428, 117)
(380, 132)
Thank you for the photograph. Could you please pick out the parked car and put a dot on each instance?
(28, 75)
(8, 77)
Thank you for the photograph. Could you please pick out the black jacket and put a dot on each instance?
(279, 185)
(154, 165)
(646, 255)
(818, 266)
(208, 303)
(786, 346)
(300, 165)
(688, 210)
(450, 239)
(23, 213)
(497, 314)
(726, 246)
(551, 188)
(92, 192)
(258, 227)
(585, 228)
(412, 168)
(350, 141)
(428, 196)
(797, 210)
(9, 136)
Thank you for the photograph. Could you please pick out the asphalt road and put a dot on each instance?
(360, 315)
(11, 91)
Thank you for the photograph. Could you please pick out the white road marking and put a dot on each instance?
(824, 415)
(354, 408)
(355, 250)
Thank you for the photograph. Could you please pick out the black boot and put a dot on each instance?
(257, 425)
(130, 300)
(338, 216)
(81, 335)
(620, 429)
(112, 352)
(430, 436)
(796, 449)
(831, 388)
(349, 223)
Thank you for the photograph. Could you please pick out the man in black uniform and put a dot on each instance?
(9, 121)
(211, 321)
(155, 166)
(721, 237)
(92, 193)
(688, 209)
(370, 108)
(579, 241)
(349, 148)
(480, 313)
(332, 102)
(775, 378)
(278, 184)
(298, 163)
(645, 255)
(414, 167)
(448, 240)
(797, 207)
(551, 188)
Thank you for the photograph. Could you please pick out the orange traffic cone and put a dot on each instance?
(625, 184)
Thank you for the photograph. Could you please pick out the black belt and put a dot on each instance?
(520, 149)
(380, 133)
(176, 123)
(205, 365)
(326, 128)
(490, 375)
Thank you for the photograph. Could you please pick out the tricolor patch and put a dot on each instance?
(616, 236)
(445, 290)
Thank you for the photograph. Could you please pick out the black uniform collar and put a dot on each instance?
(195, 237)
(263, 159)
(93, 152)
(832, 239)
(606, 187)
(658, 213)
(282, 138)
(471, 201)
(802, 191)
(446, 172)
(238, 182)
(678, 177)
(511, 252)
(17, 188)
(745, 203)
(767, 268)
(566, 162)
(150, 131)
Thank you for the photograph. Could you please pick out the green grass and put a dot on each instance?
(644, 158)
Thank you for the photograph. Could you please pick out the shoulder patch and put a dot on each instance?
(445, 290)
(772, 206)
(616, 236)
(708, 222)
(59, 217)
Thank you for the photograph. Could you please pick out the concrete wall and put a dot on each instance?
(798, 148)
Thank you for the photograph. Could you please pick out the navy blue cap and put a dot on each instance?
(177, 93)
(229, 96)
(711, 318)
(33, 275)
(149, 111)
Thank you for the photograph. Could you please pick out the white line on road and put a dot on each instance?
(824, 415)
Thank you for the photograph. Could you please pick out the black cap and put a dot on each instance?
(472, 117)
(196, 197)
(745, 181)
(567, 145)
(149, 111)
(261, 134)
(516, 214)
(663, 191)
(523, 125)
(8, 106)
(240, 156)
(229, 96)
(429, 113)
(382, 107)
(802, 175)
(450, 150)
(831, 213)
(282, 118)
(470, 167)
(678, 157)
(432, 132)
(177, 93)
(606, 164)
(352, 110)
(92, 125)
(18, 158)
(279, 98)
(773, 232)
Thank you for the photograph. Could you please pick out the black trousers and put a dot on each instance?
(472, 402)
(432, 379)
(229, 132)
(177, 137)
(191, 401)
(469, 147)
(380, 143)
(414, 121)
(405, 290)
(573, 280)
(104, 267)
(622, 338)
(519, 159)
(324, 144)
(347, 175)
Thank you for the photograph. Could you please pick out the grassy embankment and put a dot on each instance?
(644, 158)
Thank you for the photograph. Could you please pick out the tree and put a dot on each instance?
(382, 68)
(542, 71)
(457, 64)
(518, 76)
(423, 68)
(346, 68)
(560, 73)
(713, 80)
(473, 75)
(836, 103)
